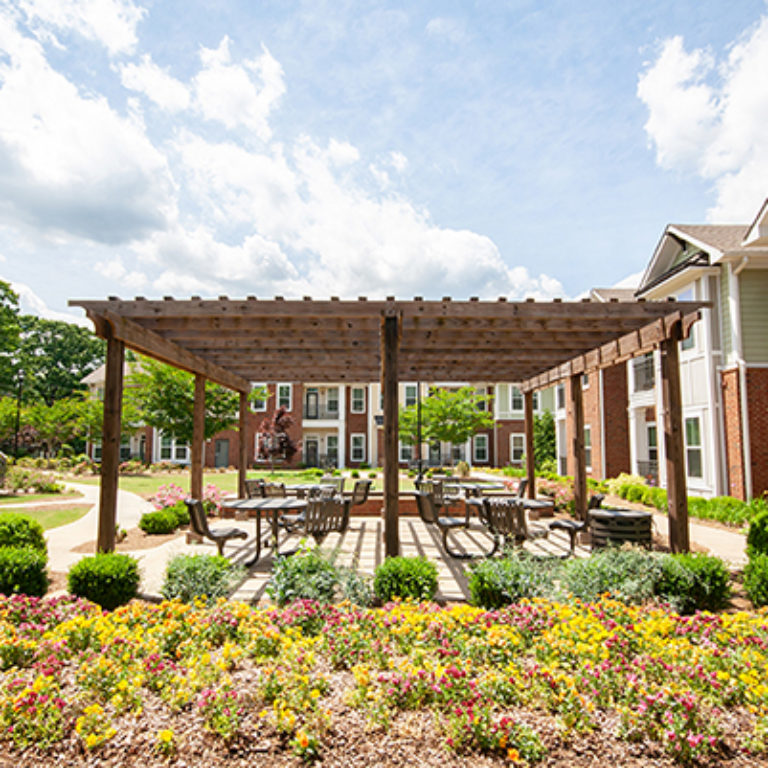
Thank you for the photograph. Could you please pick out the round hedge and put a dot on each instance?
(756, 580)
(162, 521)
(108, 579)
(405, 577)
(22, 531)
(757, 536)
(23, 570)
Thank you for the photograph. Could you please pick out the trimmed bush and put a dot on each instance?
(405, 577)
(757, 536)
(495, 583)
(629, 574)
(191, 576)
(756, 580)
(108, 579)
(162, 521)
(635, 493)
(180, 512)
(21, 531)
(23, 570)
(307, 575)
(694, 582)
(655, 497)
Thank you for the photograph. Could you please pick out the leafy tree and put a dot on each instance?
(446, 416)
(9, 337)
(544, 442)
(274, 440)
(164, 398)
(55, 424)
(56, 356)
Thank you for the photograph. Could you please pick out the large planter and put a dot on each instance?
(617, 526)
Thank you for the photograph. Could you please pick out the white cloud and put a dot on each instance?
(709, 118)
(226, 92)
(114, 270)
(31, 304)
(398, 161)
(111, 22)
(448, 29)
(148, 78)
(72, 165)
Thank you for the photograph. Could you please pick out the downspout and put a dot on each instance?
(601, 397)
(747, 453)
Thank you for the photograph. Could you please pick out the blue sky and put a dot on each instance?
(368, 148)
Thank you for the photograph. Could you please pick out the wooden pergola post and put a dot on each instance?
(530, 457)
(243, 436)
(677, 492)
(198, 436)
(577, 447)
(390, 343)
(110, 443)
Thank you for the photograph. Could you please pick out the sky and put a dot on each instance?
(492, 148)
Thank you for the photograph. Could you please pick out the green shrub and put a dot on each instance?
(109, 579)
(655, 497)
(162, 521)
(405, 577)
(21, 531)
(23, 570)
(307, 575)
(628, 573)
(635, 493)
(691, 582)
(180, 511)
(615, 485)
(495, 583)
(364, 465)
(372, 475)
(191, 576)
(698, 507)
(756, 580)
(354, 474)
(757, 536)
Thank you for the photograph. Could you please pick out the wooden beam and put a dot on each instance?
(390, 341)
(149, 343)
(198, 437)
(530, 458)
(242, 468)
(677, 495)
(110, 444)
(576, 407)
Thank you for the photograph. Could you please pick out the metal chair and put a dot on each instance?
(274, 490)
(360, 492)
(199, 522)
(254, 489)
(428, 511)
(324, 516)
(337, 482)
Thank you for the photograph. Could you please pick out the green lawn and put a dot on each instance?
(147, 485)
(20, 498)
(50, 517)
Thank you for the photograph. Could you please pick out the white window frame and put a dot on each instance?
(414, 397)
(515, 393)
(588, 446)
(584, 381)
(357, 452)
(254, 407)
(361, 400)
(179, 453)
(648, 426)
(480, 442)
(328, 447)
(513, 438)
(288, 407)
(328, 399)
(405, 453)
(695, 447)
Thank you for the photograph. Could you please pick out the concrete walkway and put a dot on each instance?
(360, 547)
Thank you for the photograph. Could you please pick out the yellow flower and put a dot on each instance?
(165, 736)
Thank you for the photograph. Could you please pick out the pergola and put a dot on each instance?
(535, 344)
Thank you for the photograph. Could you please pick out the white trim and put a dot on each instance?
(254, 385)
(352, 408)
(475, 459)
(601, 400)
(588, 431)
(512, 436)
(352, 456)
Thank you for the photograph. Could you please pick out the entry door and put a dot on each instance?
(311, 410)
(221, 456)
(311, 452)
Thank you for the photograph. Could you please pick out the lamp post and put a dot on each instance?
(418, 429)
(19, 393)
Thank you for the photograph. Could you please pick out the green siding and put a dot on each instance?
(753, 289)
(725, 311)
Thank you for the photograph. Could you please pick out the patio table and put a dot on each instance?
(304, 489)
(274, 506)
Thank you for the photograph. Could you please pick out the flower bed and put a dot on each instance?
(571, 684)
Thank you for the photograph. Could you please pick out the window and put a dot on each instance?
(516, 399)
(516, 447)
(97, 451)
(166, 448)
(406, 453)
(284, 392)
(180, 452)
(653, 445)
(358, 400)
(410, 395)
(585, 381)
(690, 342)
(257, 403)
(357, 444)
(170, 450)
(332, 449)
(643, 373)
(693, 447)
(332, 399)
(485, 403)
(535, 401)
(560, 396)
(481, 449)
(588, 447)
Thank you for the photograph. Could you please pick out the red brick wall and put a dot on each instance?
(734, 454)
(757, 406)
(504, 429)
(616, 420)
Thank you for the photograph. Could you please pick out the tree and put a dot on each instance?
(274, 440)
(164, 398)
(56, 356)
(544, 442)
(9, 338)
(446, 416)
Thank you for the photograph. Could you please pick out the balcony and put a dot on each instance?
(644, 374)
(649, 469)
(320, 412)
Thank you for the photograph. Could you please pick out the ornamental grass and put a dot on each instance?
(230, 684)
